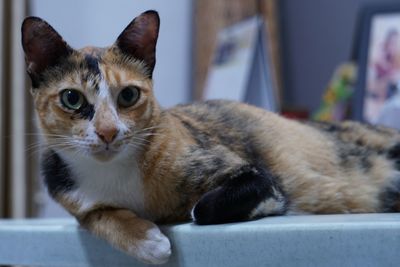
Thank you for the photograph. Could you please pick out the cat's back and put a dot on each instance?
(213, 114)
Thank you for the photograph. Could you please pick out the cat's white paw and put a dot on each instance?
(155, 249)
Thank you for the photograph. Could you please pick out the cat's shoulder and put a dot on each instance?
(216, 106)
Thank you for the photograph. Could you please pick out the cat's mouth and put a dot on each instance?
(105, 152)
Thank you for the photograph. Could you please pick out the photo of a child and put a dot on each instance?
(383, 71)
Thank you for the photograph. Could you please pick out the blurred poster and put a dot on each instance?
(383, 69)
(241, 69)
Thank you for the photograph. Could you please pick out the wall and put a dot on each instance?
(317, 36)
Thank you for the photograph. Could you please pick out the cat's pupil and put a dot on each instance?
(73, 97)
(128, 96)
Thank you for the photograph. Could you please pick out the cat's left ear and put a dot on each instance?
(139, 38)
(43, 47)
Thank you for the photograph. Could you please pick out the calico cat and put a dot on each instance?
(118, 162)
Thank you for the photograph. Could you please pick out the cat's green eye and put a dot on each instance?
(72, 99)
(128, 96)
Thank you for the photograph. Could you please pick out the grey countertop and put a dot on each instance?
(309, 240)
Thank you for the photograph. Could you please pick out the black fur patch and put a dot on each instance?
(381, 130)
(92, 64)
(86, 112)
(394, 154)
(55, 74)
(56, 174)
(89, 68)
(234, 200)
(329, 127)
(365, 162)
(351, 155)
(204, 163)
(200, 136)
(36, 80)
(390, 198)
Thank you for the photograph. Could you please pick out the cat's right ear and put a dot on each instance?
(139, 39)
(43, 47)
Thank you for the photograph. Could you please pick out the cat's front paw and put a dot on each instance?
(154, 249)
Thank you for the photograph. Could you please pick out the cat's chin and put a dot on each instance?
(105, 155)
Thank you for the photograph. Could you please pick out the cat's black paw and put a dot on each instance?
(248, 193)
(394, 154)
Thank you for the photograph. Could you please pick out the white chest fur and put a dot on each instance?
(118, 184)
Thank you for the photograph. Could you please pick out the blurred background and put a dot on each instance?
(308, 59)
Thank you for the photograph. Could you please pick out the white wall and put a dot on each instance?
(99, 22)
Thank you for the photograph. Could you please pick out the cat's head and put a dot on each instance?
(96, 102)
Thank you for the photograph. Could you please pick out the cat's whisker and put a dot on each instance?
(151, 128)
(135, 137)
(39, 147)
(142, 136)
(39, 133)
(59, 137)
(48, 135)
(58, 140)
(147, 130)
(136, 144)
(140, 139)
(153, 134)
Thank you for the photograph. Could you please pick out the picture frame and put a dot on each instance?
(226, 13)
(241, 69)
(376, 50)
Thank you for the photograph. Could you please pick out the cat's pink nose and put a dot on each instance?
(107, 134)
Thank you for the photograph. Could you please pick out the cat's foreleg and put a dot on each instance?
(249, 192)
(124, 230)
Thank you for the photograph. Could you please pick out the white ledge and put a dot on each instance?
(315, 240)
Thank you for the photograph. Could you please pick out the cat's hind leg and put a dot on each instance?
(248, 193)
(391, 194)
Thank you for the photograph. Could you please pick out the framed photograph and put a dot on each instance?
(377, 52)
(241, 69)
